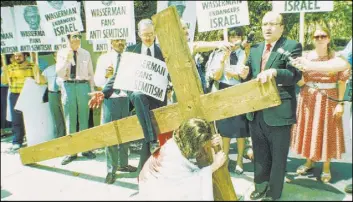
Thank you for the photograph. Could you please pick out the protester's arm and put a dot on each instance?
(63, 63)
(335, 64)
(289, 75)
(205, 46)
(4, 78)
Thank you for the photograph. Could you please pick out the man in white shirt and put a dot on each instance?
(54, 97)
(115, 107)
(74, 66)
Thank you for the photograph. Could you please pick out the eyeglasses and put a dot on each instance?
(147, 35)
(320, 37)
(270, 24)
(76, 37)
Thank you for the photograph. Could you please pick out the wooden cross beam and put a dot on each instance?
(236, 100)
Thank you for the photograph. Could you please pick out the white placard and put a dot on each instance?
(187, 10)
(302, 6)
(30, 30)
(216, 15)
(8, 31)
(36, 114)
(104, 45)
(110, 20)
(143, 73)
(62, 17)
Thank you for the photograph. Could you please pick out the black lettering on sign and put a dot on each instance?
(34, 41)
(25, 48)
(59, 14)
(102, 47)
(149, 89)
(108, 22)
(5, 50)
(6, 36)
(95, 34)
(223, 21)
(65, 29)
(116, 33)
(300, 5)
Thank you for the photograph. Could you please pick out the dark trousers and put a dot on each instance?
(143, 104)
(4, 90)
(270, 146)
(18, 129)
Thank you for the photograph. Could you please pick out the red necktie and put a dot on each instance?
(265, 56)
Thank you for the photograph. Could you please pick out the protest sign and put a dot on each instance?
(302, 6)
(187, 12)
(104, 45)
(110, 20)
(8, 33)
(36, 114)
(30, 31)
(64, 17)
(142, 73)
(215, 15)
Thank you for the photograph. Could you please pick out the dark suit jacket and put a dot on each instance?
(108, 88)
(287, 77)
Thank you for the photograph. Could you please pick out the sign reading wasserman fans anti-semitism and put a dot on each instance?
(8, 35)
(31, 35)
(109, 19)
(215, 15)
(302, 6)
(142, 73)
(64, 17)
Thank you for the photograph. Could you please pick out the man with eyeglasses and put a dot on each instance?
(144, 103)
(270, 128)
(74, 66)
(115, 106)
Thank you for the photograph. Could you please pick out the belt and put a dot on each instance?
(76, 81)
(54, 91)
(321, 85)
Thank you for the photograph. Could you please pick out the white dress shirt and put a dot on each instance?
(272, 45)
(84, 66)
(103, 62)
(144, 49)
(54, 82)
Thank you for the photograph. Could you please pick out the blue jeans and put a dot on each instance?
(18, 129)
(115, 109)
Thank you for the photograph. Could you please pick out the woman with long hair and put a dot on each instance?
(318, 134)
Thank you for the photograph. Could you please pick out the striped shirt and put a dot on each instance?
(17, 74)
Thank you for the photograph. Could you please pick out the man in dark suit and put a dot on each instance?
(142, 103)
(270, 128)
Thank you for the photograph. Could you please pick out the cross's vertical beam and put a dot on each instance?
(187, 86)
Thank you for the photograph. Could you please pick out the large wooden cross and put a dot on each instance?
(242, 98)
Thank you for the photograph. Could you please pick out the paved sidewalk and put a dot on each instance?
(83, 179)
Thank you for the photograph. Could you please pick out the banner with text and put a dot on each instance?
(110, 20)
(30, 31)
(8, 32)
(216, 15)
(142, 73)
(302, 6)
(187, 12)
(64, 17)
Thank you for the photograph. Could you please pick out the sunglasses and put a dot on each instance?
(320, 37)
(76, 37)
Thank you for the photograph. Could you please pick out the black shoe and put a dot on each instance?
(127, 168)
(257, 195)
(89, 155)
(154, 146)
(110, 179)
(348, 189)
(268, 198)
(68, 159)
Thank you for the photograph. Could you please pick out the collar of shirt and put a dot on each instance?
(144, 49)
(272, 45)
